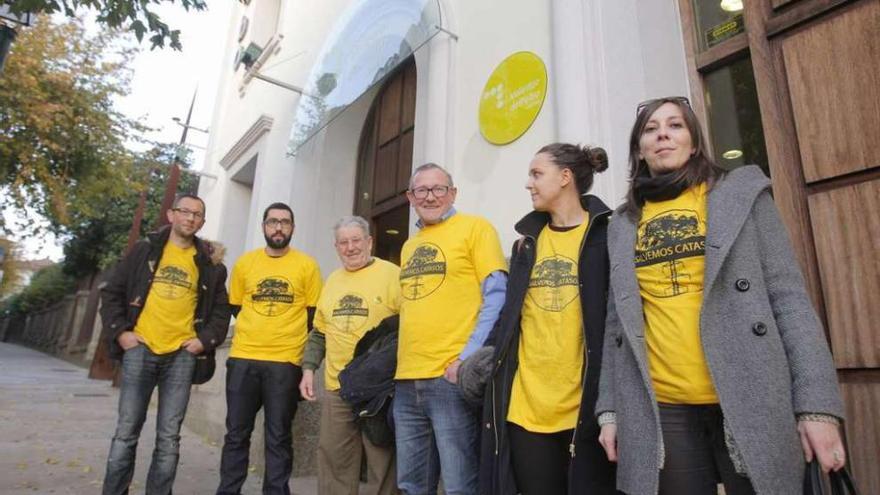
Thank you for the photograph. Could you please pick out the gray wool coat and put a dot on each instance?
(762, 340)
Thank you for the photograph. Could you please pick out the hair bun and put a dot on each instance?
(597, 158)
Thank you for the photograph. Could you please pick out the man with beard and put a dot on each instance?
(273, 292)
(164, 304)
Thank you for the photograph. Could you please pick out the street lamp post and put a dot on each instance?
(102, 367)
(7, 36)
(174, 174)
(8, 18)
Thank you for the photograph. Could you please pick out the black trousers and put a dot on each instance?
(696, 454)
(540, 460)
(250, 386)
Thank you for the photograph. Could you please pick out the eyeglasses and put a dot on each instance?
(668, 99)
(344, 243)
(187, 213)
(437, 191)
(274, 223)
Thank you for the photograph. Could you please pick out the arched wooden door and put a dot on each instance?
(385, 162)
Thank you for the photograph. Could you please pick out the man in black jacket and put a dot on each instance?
(164, 305)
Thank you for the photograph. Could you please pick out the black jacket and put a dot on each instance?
(124, 294)
(367, 382)
(590, 471)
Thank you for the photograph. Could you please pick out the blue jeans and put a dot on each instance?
(437, 434)
(142, 371)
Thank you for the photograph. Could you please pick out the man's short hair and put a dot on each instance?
(179, 197)
(278, 206)
(429, 166)
(352, 220)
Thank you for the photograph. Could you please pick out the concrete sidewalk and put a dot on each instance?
(55, 430)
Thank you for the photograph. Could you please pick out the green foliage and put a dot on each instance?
(135, 15)
(94, 242)
(47, 287)
(63, 153)
(9, 265)
(61, 140)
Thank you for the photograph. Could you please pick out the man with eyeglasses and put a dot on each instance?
(164, 304)
(452, 285)
(273, 291)
(355, 301)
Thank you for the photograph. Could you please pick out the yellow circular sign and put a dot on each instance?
(512, 98)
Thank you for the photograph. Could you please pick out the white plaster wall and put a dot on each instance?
(302, 28)
(324, 187)
(637, 48)
(490, 178)
(603, 57)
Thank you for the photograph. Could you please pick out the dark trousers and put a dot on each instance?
(696, 454)
(540, 460)
(251, 385)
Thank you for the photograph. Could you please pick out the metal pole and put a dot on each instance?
(272, 80)
(7, 36)
(174, 173)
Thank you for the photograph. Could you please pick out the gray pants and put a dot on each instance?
(142, 371)
(696, 453)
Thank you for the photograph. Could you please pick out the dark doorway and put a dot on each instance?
(385, 162)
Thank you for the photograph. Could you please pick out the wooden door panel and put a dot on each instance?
(861, 399)
(386, 157)
(833, 74)
(389, 112)
(363, 200)
(846, 224)
(779, 3)
(404, 167)
(386, 172)
(408, 112)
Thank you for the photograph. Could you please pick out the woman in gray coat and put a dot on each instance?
(715, 364)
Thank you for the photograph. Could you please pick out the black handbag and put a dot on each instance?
(204, 369)
(840, 481)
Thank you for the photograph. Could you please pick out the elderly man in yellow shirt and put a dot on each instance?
(453, 280)
(355, 298)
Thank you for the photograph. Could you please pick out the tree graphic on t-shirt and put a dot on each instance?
(421, 256)
(350, 301)
(271, 287)
(668, 229)
(665, 241)
(172, 277)
(553, 270)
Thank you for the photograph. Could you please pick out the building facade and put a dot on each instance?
(328, 105)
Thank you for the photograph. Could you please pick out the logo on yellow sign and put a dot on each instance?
(512, 98)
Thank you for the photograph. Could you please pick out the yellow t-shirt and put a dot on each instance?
(351, 304)
(547, 386)
(670, 260)
(443, 267)
(167, 319)
(273, 293)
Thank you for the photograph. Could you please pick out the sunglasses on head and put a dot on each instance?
(678, 99)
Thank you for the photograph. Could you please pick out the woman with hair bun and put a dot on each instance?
(538, 432)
